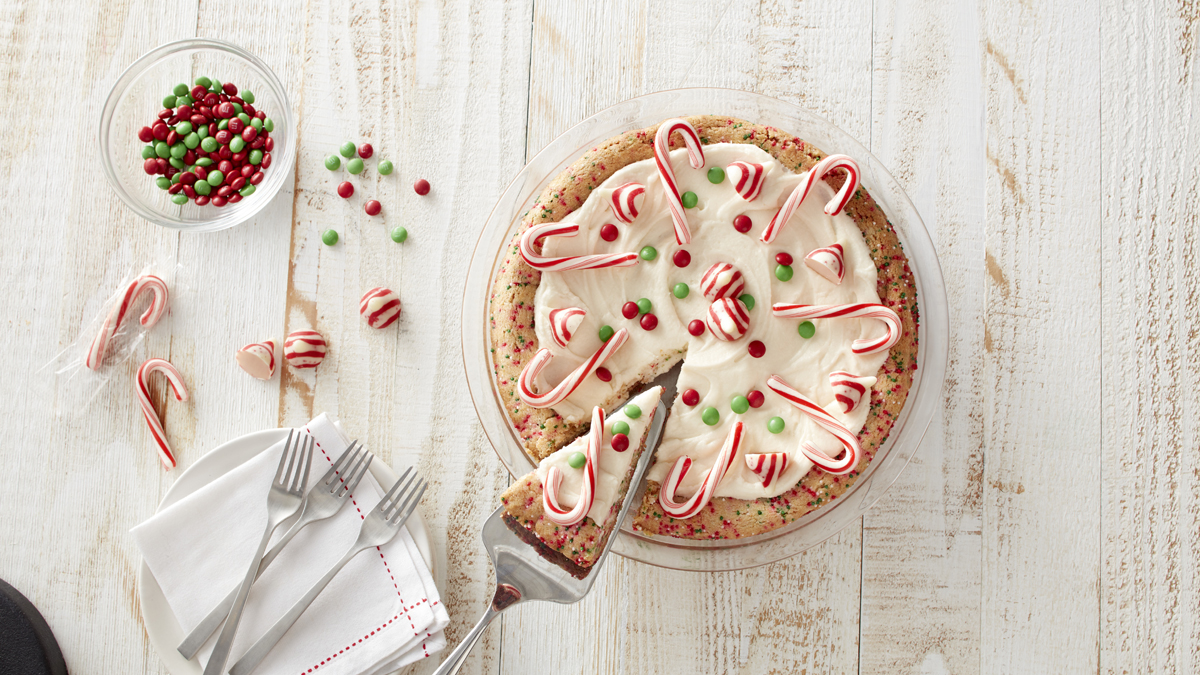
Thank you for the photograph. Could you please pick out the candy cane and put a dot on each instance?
(822, 417)
(722, 280)
(575, 262)
(863, 311)
(728, 319)
(746, 178)
(829, 262)
(849, 389)
(587, 491)
(525, 383)
(627, 201)
(693, 505)
(768, 467)
(835, 205)
(148, 368)
(116, 316)
(662, 157)
(564, 322)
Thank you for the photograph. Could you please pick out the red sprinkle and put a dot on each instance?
(756, 398)
(757, 349)
(620, 442)
(603, 374)
(365, 150)
(783, 258)
(372, 207)
(682, 258)
(649, 321)
(696, 327)
(629, 310)
(609, 232)
(345, 190)
(421, 187)
(742, 223)
(691, 397)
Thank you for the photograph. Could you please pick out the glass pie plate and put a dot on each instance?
(924, 396)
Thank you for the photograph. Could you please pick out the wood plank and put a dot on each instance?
(1041, 501)
(1150, 96)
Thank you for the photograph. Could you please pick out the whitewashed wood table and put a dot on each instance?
(1050, 523)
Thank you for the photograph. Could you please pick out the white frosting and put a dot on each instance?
(717, 370)
(613, 465)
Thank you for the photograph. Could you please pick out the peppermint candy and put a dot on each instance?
(722, 280)
(849, 389)
(728, 319)
(860, 311)
(142, 390)
(525, 383)
(117, 315)
(304, 349)
(564, 322)
(576, 262)
(662, 158)
(258, 358)
(822, 417)
(768, 467)
(746, 178)
(379, 307)
(807, 181)
(587, 491)
(829, 262)
(708, 486)
(627, 201)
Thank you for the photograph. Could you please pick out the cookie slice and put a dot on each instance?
(575, 547)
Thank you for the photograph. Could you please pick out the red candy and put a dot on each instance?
(229, 88)
(159, 131)
(682, 258)
(225, 110)
(742, 223)
(187, 178)
(756, 398)
(145, 134)
(620, 442)
(629, 310)
(150, 166)
(757, 349)
(603, 374)
(345, 190)
(236, 125)
(783, 258)
(198, 93)
(249, 134)
(256, 178)
(609, 232)
(235, 198)
(365, 150)
(696, 327)
(649, 322)
(421, 187)
(172, 137)
(201, 200)
(690, 397)
(238, 183)
(219, 201)
(372, 207)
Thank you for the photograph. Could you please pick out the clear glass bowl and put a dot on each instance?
(923, 400)
(134, 102)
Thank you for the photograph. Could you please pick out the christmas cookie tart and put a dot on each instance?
(750, 256)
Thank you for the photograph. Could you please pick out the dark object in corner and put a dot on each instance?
(27, 646)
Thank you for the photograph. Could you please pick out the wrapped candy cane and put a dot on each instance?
(807, 181)
(849, 389)
(564, 322)
(829, 262)
(575, 262)
(662, 157)
(708, 486)
(728, 319)
(587, 491)
(147, 369)
(822, 417)
(768, 467)
(525, 383)
(118, 313)
(722, 280)
(627, 201)
(258, 358)
(746, 178)
(860, 311)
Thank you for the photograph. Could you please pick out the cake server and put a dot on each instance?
(523, 574)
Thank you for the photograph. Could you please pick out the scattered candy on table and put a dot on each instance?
(365, 151)
(258, 358)
(304, 349)
(421, 187)
(380, 307)
(333, 162)
(345, 189)
(355, 166)
(142, 390)
(384, 168)
(347, 150)
(399, 234)
(372, 207)
(330, 237)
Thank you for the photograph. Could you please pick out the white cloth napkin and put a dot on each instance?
(381, 612)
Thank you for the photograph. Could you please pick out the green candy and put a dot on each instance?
(215, 178)
(680, 290)
(689, 200)
(247, 96)
(806, 330)
(711, 416)
(237, 144)
(204, 161)
(163, 182)
(347, 150)
(775, 425)
(399, 234)
(576, 460)
(181, 89)
(209, 144)
(355, 166)
(648, 253)
(747, 300)
(176, 178)
(222, 125)
(644, 306)
(739, 404)
(162, 149)
(202, 131)
(179, 198)
(191, 140)
(384, 168)
(183, 100)
(620, 428)
(183, 128)
(333, 162)
(256, 157)
(177, 163)
(247, 190)
(203, 82)
(202, 187)
(716, 175)
(169, 101)
(269, 125)
(215, 86)
(178, 150)
(148, 152)
(606, 332)
(330, 237)
(632, 411)
(783, 272)
(244, 118)
(237, 108)
(256, 123)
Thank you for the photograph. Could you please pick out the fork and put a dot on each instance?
(322, 501)
(378, 528)
(283, 501)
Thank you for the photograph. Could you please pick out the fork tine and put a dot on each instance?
(284, 456)
(409, 506)
(343, 486)
(300, 478)
(407, 497)
(352, 483)
(290, 453)
(339, 465)
(388, 497)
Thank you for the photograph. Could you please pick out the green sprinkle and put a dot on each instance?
(256, 157)
(620, 428)
(680, 290)
(644, 306)
(181, 89)
(183, 128)
(191, 140)
(269, 125)
(202, 187)
(203, 82)
(209, 144)
(163, 182)
(247, 96)
(747, 300)
(716, 175)
(333, 162)
(179, 198)
(775, 425)
(347, 150)
(739, 404)
(648, 253)
(237, 144)
(399, 234)
(247, 190)
(711, 416)
(576, 460)
(215, 178)
(783, 272)
(632, 411)
(606, 332)
(689, 200)
(806, 330)
(384, 168)
(355, 166)
(148, 152)
(329, 237)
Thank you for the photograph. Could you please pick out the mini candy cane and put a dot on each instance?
(575, 262)
(304, 349)
(768, 467)
(525, 383)
(728, 319)
(662, 157)
(822, 417)
(863, 311)
(587, 491)
(143, 393)
(708, 486)
(829, 262)
(627, 201)
(116, 316)
(722, 280)
(849, 389)
(258, 359)
(564, 322)
(835, 205)
(746, 178)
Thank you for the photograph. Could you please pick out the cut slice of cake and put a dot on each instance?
(567, 507)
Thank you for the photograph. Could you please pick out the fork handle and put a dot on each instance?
(458, 657)
(216, 662)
